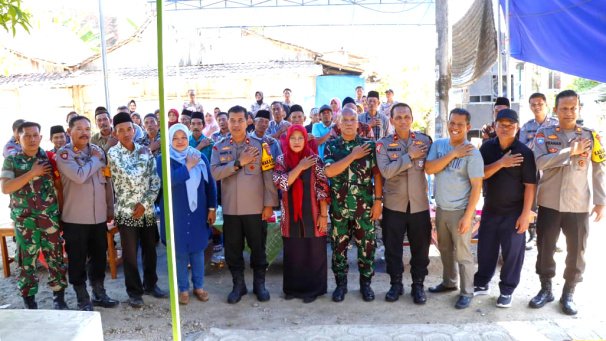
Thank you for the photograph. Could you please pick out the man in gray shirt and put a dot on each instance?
(459, 170)
(88, 204)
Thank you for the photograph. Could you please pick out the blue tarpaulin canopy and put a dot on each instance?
(563, 35)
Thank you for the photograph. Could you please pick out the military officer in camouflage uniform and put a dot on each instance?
(351, 165)
(248, 197)
(401, 160)
(30, 179)
(564, 153)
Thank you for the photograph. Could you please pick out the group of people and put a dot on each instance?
(333, 178)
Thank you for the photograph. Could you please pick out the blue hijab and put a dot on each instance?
(196, 173)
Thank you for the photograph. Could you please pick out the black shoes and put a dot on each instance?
(339, 294)
(59, 300)
(441, 288)
(367, 293)
(239, 288)
(259, 285)
(463, 302)
(395, 291)
(418, 293)
(84, 303)
(543, 297)
(30, 302)
(100, 298)
(566, 302)
(156, 292)
(135, 302)
(309, 299)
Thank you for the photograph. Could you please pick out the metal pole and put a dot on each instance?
(166, 181)
(104, 55)
(499, 56)
(442, 66)
(509, 84)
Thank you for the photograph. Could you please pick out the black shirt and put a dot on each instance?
(504, 190)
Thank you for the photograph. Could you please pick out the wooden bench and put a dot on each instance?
(6, 230)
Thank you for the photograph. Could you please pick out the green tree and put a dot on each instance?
(12, 16)
(583, 84)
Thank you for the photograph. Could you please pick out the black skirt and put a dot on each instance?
(305, 268)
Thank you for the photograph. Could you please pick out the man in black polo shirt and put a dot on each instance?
(510, 184)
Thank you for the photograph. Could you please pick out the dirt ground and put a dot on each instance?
(153, 322)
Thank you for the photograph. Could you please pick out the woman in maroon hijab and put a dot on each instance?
(299, 173)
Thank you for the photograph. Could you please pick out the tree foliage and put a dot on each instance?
(583, 84)
(12, 16)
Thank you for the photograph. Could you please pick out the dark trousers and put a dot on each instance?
(575, 227)
(131, 237)
(235, 229)
(418, 228)
(499, 232)
(82, 242)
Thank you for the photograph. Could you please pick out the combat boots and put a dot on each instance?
(59, 300)
(84, 302)
(365, 289)
(239, 289)
(100, 298)
(418, 293)
(396, 289)
(30, 302)
(259, 285)
(544, 296)
(568, 305)
(339, 294)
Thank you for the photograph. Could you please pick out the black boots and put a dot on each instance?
(59, 300)
(396, 290)
(544, 296)
(30, 302)
(239, 289)
(339, 294)
(566, 302)
(418, 293)
(259, 285)
(365, 289)
(84, 302)
(100, 298)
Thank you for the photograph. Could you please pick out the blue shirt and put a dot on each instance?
(452, 184)
(319, 130)
(190, 228)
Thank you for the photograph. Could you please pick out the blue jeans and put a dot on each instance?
(196, 259)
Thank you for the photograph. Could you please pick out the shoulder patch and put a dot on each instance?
(379, 146)
(63, 155)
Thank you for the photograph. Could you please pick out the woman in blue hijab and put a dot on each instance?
(194, 203)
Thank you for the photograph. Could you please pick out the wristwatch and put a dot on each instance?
(379, 198)
(237, 164)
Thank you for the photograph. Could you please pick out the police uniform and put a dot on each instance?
(245, 191)
(11, 148)
(35, 211)
(564, 197)
(351, 203)
(88, 204)
(530, 128)
(406, 205)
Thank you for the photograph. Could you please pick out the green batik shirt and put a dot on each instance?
(135, 181)
(38, 195)
(352, 190)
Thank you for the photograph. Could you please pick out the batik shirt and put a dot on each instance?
(39, 194)
(352, 190)
(135, 181)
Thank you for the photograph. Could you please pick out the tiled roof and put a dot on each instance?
(85, 77)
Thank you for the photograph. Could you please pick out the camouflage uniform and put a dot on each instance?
(351, 202)
(35, 211)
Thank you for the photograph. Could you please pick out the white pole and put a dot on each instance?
(499, 56)
(104, 55)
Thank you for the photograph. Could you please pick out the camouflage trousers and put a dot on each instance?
(363, 232)
(36, 233)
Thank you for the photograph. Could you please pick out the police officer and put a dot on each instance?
(351, 165)
(261, 124)
(248, 197)
(538, 106)
(88, 207)
(401, 160)
(564, 153)
(12, 147)
(32, 181)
